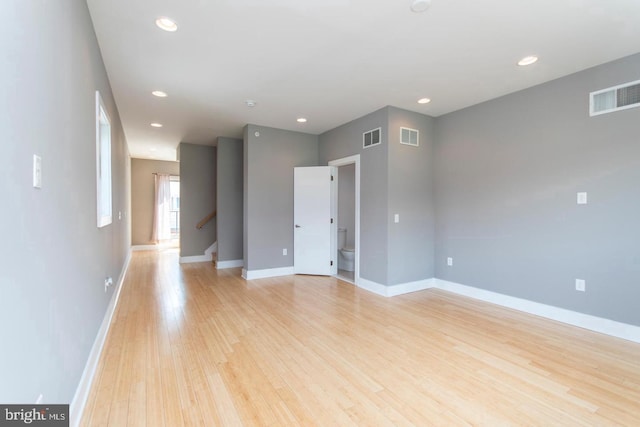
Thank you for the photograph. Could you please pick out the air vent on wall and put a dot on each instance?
(615, 98)
(409, 136)
(371, 138)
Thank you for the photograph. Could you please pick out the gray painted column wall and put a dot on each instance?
(410, 195)
(230, 199)
(269, 160)
(245, 196)
(507, 174)
(345, 141)
(55, 258)
(395, 179)
(143, 196)
(197, 197)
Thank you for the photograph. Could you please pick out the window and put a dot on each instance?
(371, 138)
(103, 163)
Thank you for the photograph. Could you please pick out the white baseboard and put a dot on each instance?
(263, 274)
(395, 290)
(196, 258)
(371, 286)
(221, 265)
(581, 320)
(200, 258)
(82, 391)
(405, 288)
(211, 249)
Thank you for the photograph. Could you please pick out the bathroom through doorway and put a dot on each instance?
(348, 218)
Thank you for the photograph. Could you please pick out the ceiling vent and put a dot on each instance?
(615, 98)
(371, 138)
(409, 136)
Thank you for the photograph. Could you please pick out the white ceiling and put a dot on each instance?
(332, 61)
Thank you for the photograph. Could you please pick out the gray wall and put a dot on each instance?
(229, 199)
(507, 173)
(347, 202)
(143, 196)
(54, 259)
(269, 160)
(245, 195)
(345, 141)
(197, 197)
(410, 194)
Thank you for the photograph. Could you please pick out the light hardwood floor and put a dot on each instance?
(190, 345)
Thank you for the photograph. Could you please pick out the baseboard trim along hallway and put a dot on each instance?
(395, 290)
(266, 273)
(195, 258)
(221, 265)
(82, 392)
(581, 320)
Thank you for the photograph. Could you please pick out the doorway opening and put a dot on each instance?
(347, 201)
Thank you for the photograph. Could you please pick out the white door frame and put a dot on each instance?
(355, 159)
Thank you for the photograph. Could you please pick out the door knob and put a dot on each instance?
(297, 226)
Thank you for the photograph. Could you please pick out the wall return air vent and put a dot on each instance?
(615, 98)
(371, 138)
(409, 136)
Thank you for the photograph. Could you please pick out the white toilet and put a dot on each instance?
(345, 260)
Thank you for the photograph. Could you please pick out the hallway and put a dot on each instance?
(191, 345)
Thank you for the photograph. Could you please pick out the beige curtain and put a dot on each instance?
(162, 215)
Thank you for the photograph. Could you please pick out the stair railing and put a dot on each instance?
(206, 219)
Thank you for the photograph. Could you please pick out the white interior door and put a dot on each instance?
(313, 240)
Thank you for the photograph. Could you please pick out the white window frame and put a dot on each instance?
(103, 164)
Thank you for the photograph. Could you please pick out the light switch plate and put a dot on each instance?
(396, 218)
(582, 198)
(37, 171)
(581, 285)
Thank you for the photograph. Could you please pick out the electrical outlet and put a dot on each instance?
(284, 251)
(449, 261)
(581, 285)
(107, 282)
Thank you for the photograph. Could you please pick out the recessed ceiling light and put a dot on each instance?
(250, 103)
(528, 60)
(424, 101)
(159, 94)
(167, 24)
(156, 125)
(153, 149)
(418, 6)
(301, 120)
